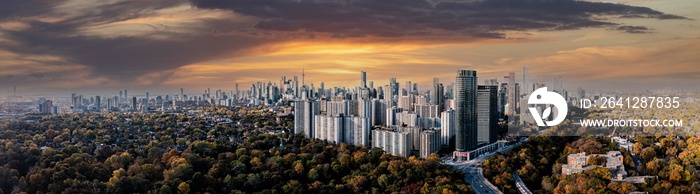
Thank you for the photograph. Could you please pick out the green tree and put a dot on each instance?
(292, 186)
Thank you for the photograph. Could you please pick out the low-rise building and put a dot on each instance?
(578, 162)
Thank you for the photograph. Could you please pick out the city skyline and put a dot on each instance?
(58, 47)
(291, 83)
(349, 96)
(16, 91)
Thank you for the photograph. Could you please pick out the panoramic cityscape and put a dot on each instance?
(358, 96)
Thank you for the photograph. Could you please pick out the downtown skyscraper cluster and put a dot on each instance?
(403, 120)
(145, 103)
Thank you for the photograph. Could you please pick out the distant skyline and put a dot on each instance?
(61, 46)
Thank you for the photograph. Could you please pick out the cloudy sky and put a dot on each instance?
(162, 45)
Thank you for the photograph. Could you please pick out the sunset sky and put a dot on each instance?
(162, 45)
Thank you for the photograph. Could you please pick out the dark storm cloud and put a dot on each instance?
(20, 8)
(128, 56)
(634, 29)
(120, 57)
(402, 18)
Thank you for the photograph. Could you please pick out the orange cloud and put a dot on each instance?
(335, 63)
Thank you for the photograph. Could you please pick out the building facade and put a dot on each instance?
(304, 114)
(397, 143)
(465, 110)
(487, 113)
(447, 126)
(429, 143)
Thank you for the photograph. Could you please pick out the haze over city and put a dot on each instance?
(161, 46)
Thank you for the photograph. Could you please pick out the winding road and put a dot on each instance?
(473, 173)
